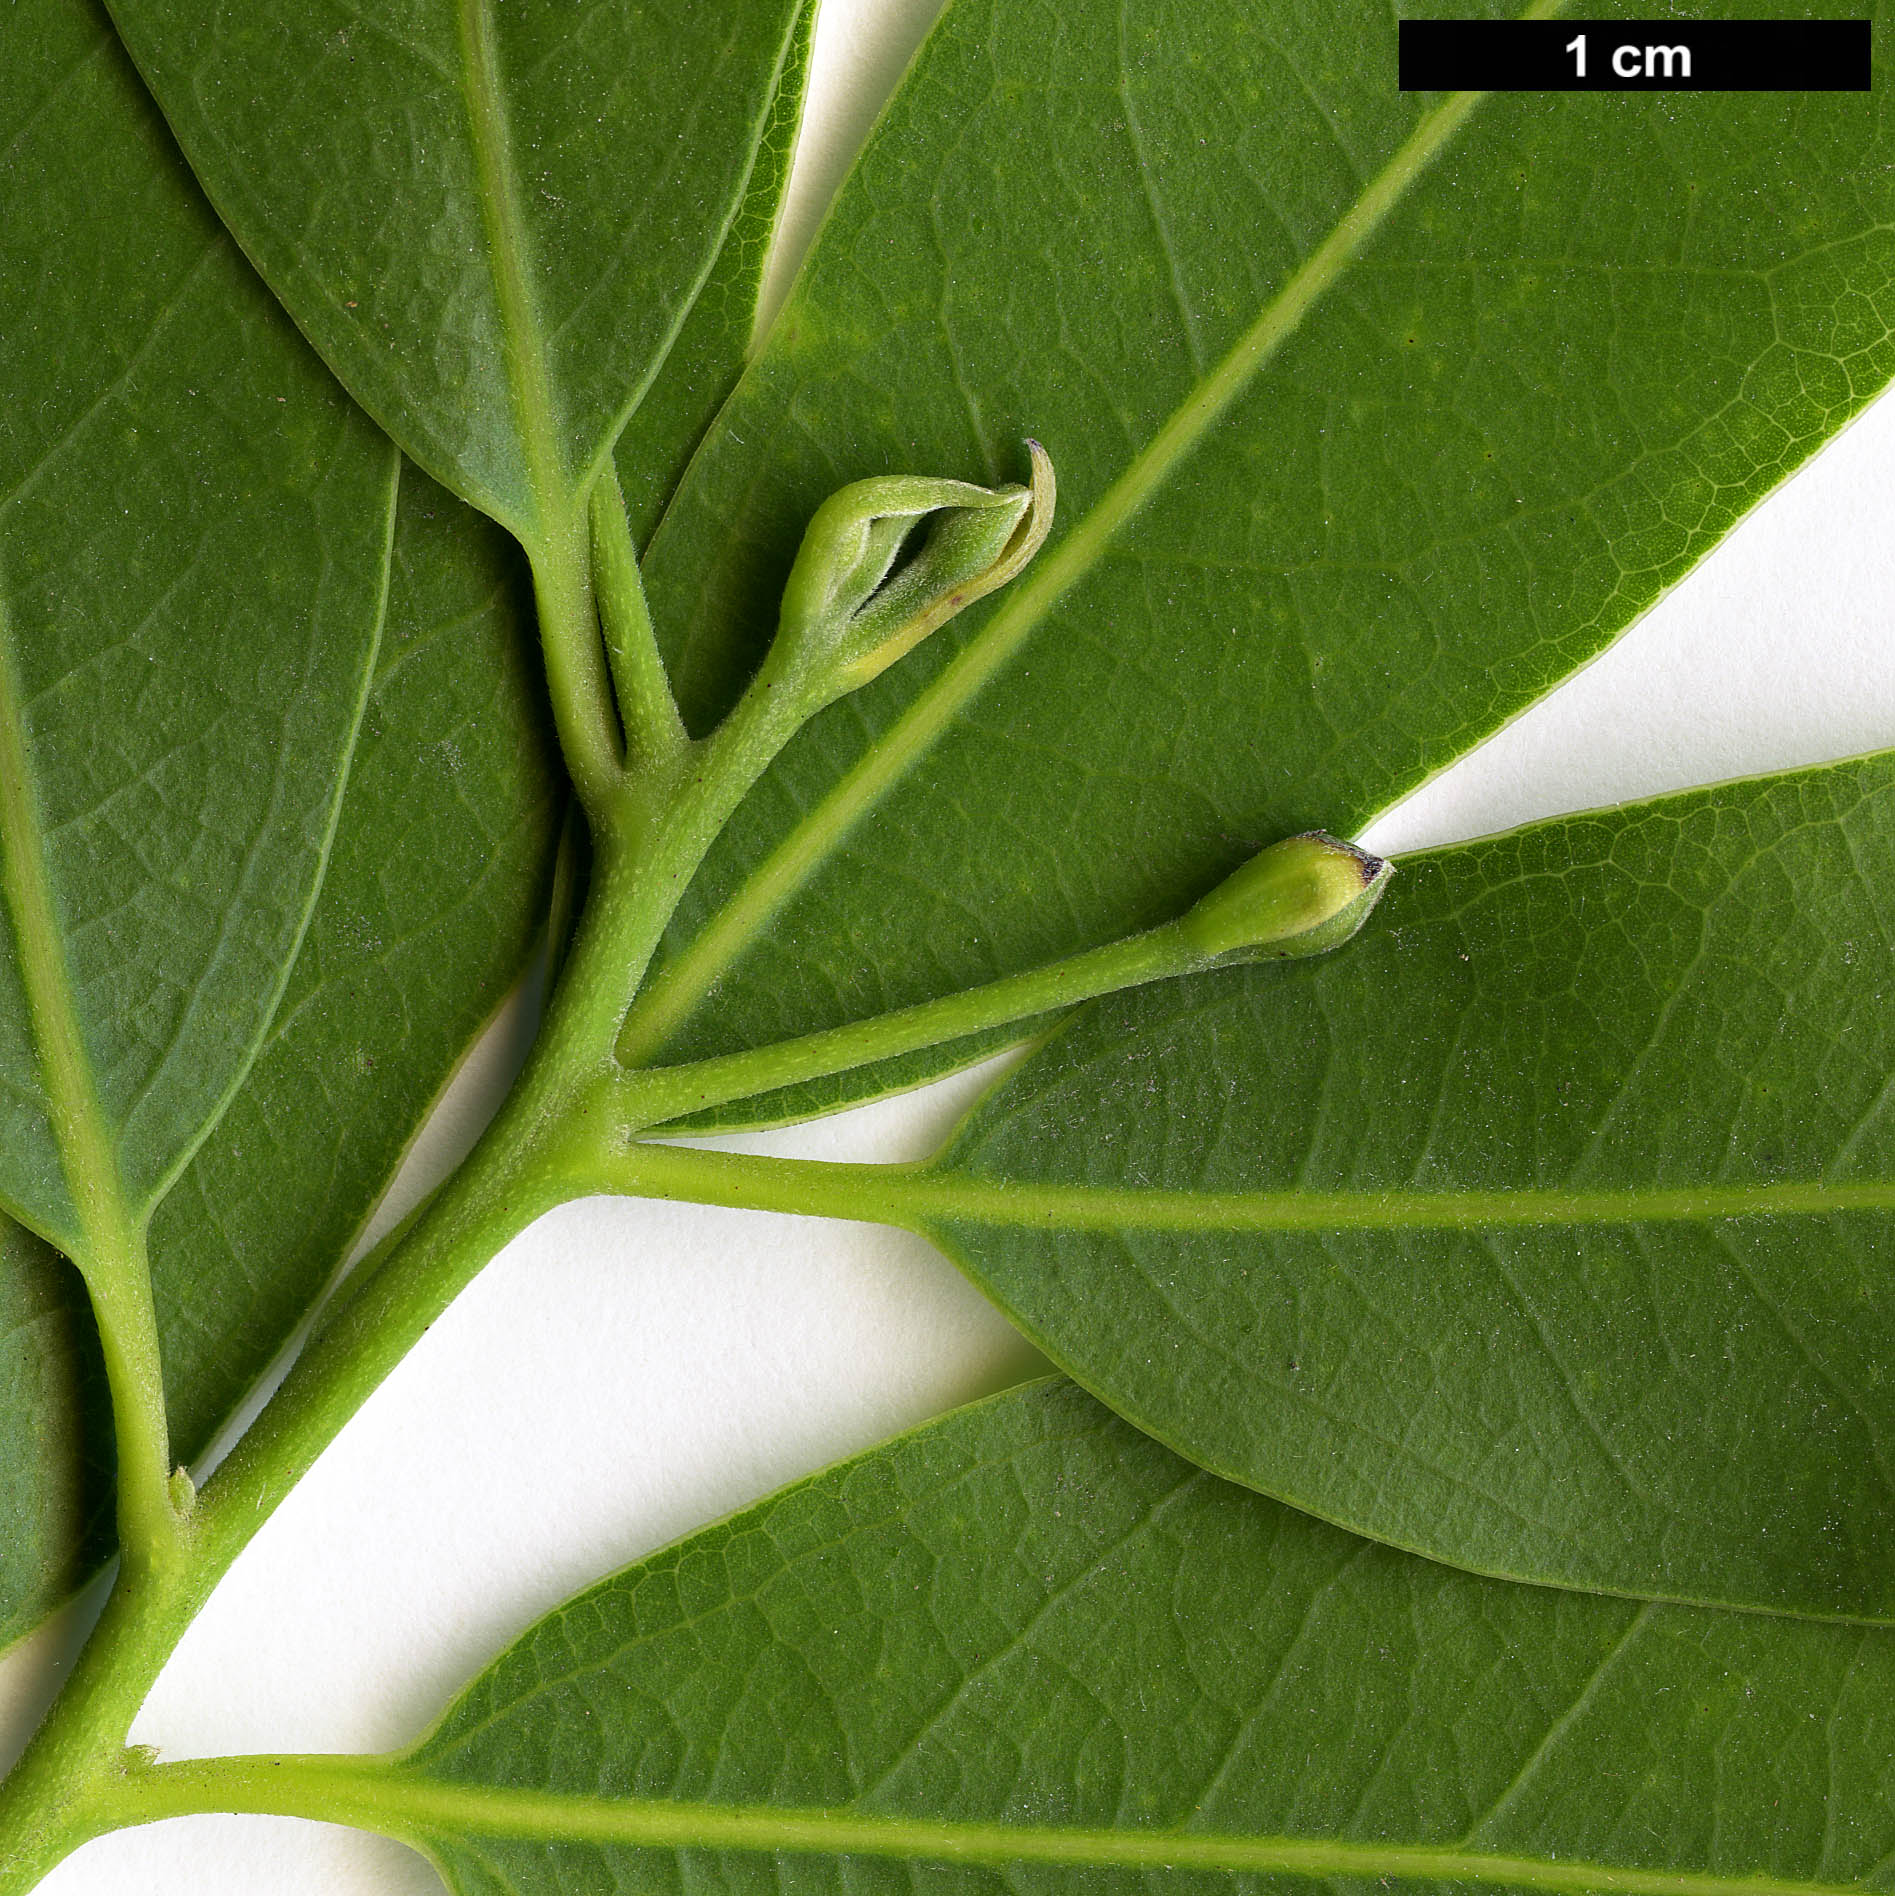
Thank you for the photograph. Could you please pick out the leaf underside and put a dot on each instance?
(491, 220)
(433, 903)
(436, 888)
(193, 525)
(435, 898)
(1375, 414)
(1543, 1229)
(703, 364)
(1027, 1648)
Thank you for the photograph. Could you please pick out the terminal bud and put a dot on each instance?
(1302, 896)
(886, 561)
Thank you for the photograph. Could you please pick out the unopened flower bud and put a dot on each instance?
(886, 561)
(1302, 896)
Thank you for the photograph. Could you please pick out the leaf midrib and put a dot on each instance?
(678, 989)
(524, 336)
(395, 1801)
(529, 380)
(101, 1221)
(917, 1196)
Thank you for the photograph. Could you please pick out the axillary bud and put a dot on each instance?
(1302, 896)
(886, 561)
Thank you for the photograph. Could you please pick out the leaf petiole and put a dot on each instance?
(935, 1192)
(107, 1238)
(576, 674)
(655, 737)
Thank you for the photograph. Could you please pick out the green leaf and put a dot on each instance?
(436, 893)
(491, 220)
(193, 550)
(1374, 415)
(702, 365)
(1027, 1649)
(436, 896)
(1543, 1229)
(55, 1438)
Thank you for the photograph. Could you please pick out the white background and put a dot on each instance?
(626, 1371)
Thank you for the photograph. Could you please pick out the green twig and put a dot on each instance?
(59, 1793)
(1305, 895)
(930, 1194)
(640, 1100)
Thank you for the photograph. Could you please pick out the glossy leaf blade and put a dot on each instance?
(193, 546)
(1374, 414)
(436, 897)
(1543, 1229)
(1026, 1648)
(491, 219)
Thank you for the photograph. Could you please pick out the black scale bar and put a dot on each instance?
(1634, 55)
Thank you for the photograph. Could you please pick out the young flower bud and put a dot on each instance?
(863, 592)
(1302, 896)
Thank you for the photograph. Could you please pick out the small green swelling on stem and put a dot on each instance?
(884, 563)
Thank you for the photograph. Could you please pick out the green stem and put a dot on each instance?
(556, 537)
(528, 1161)
(540, 1150)
(903, 1195)
(1305, 895)
(713, 777)
(654, 733)
(59, 1794)
(106, 1241)
(657, 1094)
(649, 833)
